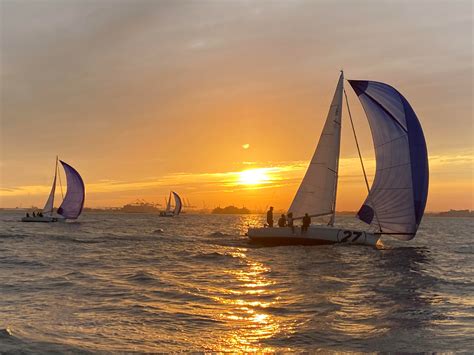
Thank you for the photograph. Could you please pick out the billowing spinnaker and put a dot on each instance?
(73, 202)
(317, 192)
(177, 203)
(397, 198)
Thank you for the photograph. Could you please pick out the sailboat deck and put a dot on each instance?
(315, 235)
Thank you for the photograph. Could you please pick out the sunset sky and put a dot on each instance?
(146, 96)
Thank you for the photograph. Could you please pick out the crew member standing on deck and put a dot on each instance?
(306, 223)
(282, 221)
(290, 222)
(270, 217)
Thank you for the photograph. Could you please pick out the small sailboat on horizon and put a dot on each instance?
(73, 202)
(396, 200)
(170, 210)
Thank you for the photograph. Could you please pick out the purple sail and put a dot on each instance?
(397, 198)
(73, 202)
(177, 203)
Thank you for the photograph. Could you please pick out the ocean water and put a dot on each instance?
(126, 282)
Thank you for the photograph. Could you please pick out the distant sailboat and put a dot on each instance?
(73, 202)
(397, 198)
(171, 211)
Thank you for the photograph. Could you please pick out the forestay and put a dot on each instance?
(397, 198)
(317, 192)
(73, 202)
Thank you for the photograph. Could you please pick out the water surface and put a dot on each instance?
(136, 282)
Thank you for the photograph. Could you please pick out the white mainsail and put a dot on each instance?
(168, 204)
(317, 192)
(48, 207)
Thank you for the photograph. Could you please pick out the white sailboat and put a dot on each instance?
(170, 210)
(397, 198)
(73, 201)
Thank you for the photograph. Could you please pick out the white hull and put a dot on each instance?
(44, 219)
(313, 236)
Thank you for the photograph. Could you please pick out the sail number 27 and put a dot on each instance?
(349, 236)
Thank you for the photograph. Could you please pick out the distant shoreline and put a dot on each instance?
(236, 210)
(231, 210)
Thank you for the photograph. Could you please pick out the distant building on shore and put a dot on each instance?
(141, 206)
(230, 210)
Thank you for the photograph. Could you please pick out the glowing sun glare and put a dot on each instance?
(253, 177)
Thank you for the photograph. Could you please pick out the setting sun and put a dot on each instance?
(253, 177)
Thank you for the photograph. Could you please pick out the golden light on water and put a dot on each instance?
(245, 309)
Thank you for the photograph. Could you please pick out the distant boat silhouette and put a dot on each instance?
(178, 205)
(396, 201)
(73, 202)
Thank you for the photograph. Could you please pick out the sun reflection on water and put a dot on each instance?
(245, 312)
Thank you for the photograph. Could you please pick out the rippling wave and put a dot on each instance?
(118, 282)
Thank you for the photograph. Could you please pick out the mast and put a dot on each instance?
(333, 216)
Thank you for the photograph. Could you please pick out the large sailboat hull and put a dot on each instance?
(315, 235)
(44, 219)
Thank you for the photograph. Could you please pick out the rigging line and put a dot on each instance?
(60, 182)
(360, 155)
(336, 173)
(357, 143)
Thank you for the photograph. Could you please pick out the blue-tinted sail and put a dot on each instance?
(398, 195)
(178, 205)
(73, 202)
